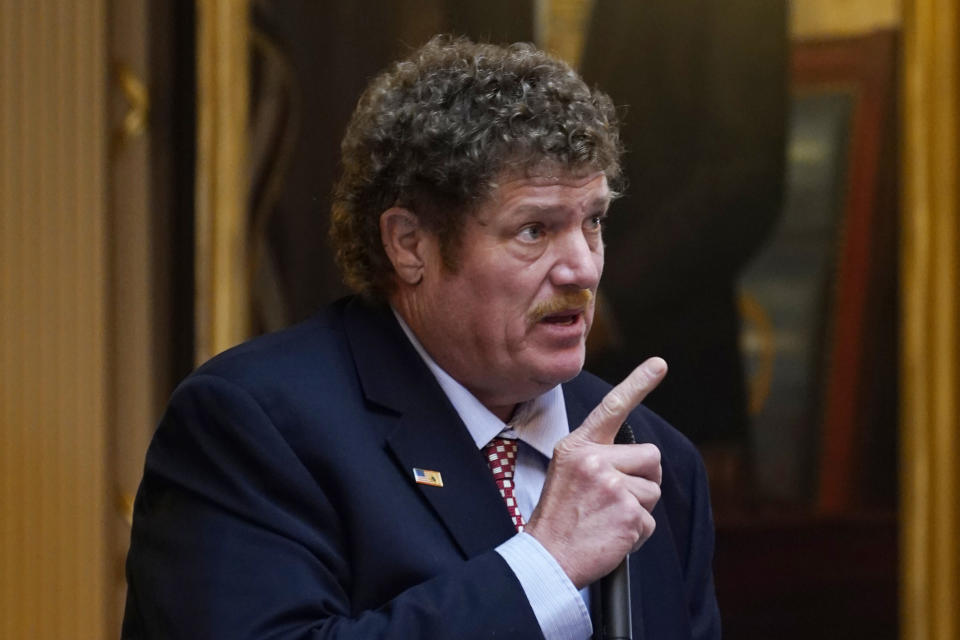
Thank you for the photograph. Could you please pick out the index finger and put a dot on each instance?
(604, 421)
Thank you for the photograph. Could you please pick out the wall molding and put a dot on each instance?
(930, 366)
(223, 279)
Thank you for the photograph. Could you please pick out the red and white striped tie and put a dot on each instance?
(501, 455)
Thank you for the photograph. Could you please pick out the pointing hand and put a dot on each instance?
(598, 497)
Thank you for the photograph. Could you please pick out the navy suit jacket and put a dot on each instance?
(278, 501)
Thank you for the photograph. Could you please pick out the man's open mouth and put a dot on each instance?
(563, 318)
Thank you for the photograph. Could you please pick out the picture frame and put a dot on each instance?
(820, 300)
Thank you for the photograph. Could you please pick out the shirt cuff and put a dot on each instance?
(555, 601)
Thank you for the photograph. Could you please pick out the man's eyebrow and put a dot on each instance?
(601, 203)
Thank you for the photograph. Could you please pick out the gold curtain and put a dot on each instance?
(930, 445)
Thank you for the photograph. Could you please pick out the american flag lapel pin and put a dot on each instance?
(427, 476)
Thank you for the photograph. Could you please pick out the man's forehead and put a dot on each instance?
(593, 183)
(523, 192)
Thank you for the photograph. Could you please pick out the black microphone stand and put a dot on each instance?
(616, 618)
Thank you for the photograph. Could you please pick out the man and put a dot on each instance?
(331, 481)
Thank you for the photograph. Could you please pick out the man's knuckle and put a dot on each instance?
(614, 402)
(636, 518)
(612, 484)
(643, 379)
(653, 452)
(650, 527)
(589, 464)
(655, 492)
(650, 498)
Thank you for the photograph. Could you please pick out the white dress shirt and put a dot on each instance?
(538, 424)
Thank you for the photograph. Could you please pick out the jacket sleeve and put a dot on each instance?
(232, 539)
(698, 573)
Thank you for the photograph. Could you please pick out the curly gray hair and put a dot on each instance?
(434, 131)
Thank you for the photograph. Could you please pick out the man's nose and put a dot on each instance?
(577, 262)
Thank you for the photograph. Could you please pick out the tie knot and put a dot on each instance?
(501, 455)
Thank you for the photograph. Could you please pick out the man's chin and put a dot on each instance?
(559, 371)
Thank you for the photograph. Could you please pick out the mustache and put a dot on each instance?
(560, 302)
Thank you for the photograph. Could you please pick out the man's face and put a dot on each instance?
(511, 321)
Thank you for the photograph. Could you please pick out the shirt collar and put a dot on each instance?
(540, 422)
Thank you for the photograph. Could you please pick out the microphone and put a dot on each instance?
(616, 619)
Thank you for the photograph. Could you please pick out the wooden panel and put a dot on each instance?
(930, 418)
(52, 344)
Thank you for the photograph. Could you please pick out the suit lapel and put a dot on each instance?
(429, 433)
(468, 503)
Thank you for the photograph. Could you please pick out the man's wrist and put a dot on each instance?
(555, 601)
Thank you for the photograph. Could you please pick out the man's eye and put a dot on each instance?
(595, 223)
(531, 233)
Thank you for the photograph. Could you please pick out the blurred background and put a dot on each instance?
(788, 241)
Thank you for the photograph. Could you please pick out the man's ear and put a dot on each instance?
(403, 240)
